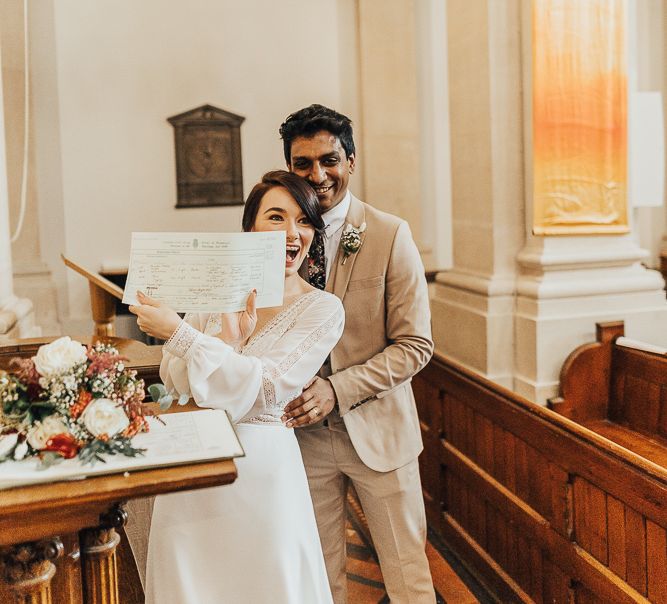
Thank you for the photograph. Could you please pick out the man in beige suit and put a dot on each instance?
(358, 422)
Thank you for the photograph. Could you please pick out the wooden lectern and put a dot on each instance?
(58, 542)
(103, 296)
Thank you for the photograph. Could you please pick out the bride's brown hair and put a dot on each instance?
(297, 187)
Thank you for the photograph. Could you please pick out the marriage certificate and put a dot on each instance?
(207, 272)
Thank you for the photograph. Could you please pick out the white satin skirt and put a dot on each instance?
(254, 541)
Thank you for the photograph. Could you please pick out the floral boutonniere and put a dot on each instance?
(350, 240)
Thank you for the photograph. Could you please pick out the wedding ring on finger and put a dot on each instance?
(317, 411)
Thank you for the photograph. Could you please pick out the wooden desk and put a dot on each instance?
(58, 541)
(33, 519)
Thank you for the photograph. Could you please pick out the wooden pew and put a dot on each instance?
(540, 508)
(617, 391)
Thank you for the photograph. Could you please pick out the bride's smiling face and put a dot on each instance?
(278, 211)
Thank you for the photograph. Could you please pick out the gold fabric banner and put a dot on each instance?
(579, 117)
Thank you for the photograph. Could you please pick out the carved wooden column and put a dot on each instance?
(98, 558)
(28, 569)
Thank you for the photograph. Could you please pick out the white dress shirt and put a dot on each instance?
(334, 221)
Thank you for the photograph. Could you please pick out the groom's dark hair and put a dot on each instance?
(309, 121)
(297, 187)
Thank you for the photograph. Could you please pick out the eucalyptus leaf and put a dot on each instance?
(49, 459)
(157, 391)
(94, 451)
(165, 402)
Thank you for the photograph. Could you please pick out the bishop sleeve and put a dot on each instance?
(217, 376)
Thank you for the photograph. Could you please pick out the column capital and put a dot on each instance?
(28, 568)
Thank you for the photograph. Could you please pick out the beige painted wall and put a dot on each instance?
(110, 73)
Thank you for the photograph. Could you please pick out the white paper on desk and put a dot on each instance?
(188, 437)
(207, 272)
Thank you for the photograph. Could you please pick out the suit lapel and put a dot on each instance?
(340, 273)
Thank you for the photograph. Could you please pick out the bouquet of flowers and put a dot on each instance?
(70, 400)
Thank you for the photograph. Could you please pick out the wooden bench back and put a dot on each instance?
(638, 390)
(605, 381)
(585, 377)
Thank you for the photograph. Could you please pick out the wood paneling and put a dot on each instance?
(656, 544)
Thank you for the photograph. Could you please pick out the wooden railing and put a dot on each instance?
(541, 508)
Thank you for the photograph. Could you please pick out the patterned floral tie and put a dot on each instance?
(317, 271)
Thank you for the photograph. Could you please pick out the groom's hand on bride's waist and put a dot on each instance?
(315, 403)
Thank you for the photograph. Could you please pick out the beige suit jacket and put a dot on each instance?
(387, 338)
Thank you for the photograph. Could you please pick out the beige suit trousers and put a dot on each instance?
(392, 503)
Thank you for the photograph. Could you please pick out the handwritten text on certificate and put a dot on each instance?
(208, 272)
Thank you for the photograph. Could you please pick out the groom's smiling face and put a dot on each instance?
(321, 160)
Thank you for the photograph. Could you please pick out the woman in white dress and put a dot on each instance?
(254, 541)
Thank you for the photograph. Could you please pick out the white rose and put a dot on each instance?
(40, 433)
(59, 356)
(7, 443)
(20, 451)
(104, 416)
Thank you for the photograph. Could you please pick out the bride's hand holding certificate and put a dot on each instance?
(237, 327)
(154, 318)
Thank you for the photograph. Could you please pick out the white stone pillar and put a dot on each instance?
(565, 286)
(473, 304)
(390, 109)
(403, 124)
(16, 316)
(568, 283)
(6, 281)
(663, 246)
(32, 277)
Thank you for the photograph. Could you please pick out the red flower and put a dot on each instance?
(63, 444)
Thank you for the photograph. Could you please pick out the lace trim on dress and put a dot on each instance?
(182, 340)
(287, 315)
(269, 390)
(269, 377)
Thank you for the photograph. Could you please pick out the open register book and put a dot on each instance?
(187, 437)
